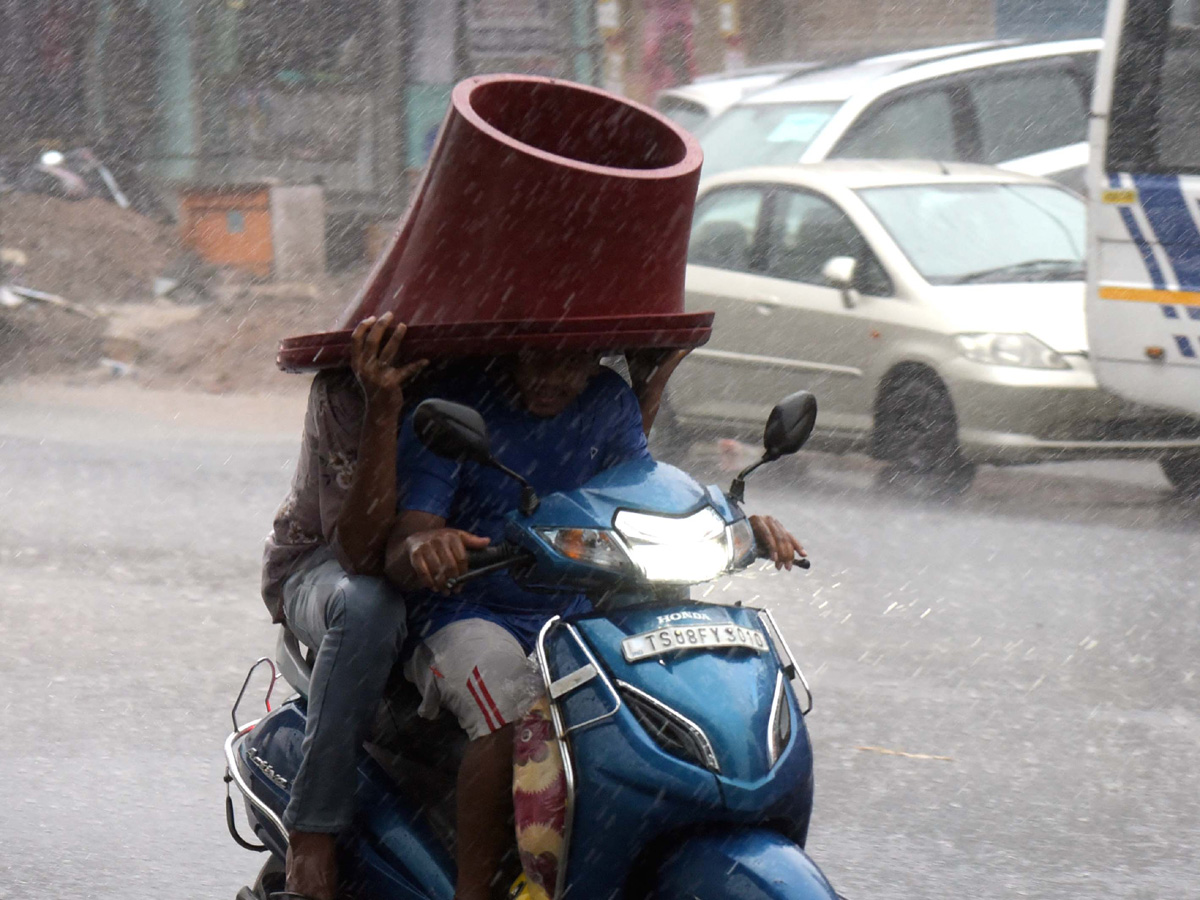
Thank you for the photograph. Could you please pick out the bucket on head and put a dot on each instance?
(551, 215)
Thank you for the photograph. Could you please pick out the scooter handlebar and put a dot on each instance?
(800, 562)
(489, 556)
(489, 559)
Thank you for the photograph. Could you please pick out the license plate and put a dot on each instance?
(662, 641)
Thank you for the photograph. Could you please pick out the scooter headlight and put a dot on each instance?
(591, 546)
(685, 550)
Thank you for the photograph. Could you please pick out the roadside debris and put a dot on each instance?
(13, 295)
(89, 251)
(74, 175)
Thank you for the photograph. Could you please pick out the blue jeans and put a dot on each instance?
(356, 624)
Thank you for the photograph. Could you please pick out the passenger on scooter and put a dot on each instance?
(557, 418)
(322, 570)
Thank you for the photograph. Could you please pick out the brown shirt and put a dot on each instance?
(304, 524)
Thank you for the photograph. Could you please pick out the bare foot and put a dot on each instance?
(312, 864)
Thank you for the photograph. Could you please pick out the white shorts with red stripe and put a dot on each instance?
(476, 670)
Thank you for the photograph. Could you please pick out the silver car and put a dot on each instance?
(935, 310)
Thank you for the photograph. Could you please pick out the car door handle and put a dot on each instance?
(765, 304)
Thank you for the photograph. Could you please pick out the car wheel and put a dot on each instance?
(1183, 471)
(916, 432)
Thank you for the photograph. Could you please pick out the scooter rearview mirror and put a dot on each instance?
(788, 428)
(453, 431)
(789, 425)
(457, 432)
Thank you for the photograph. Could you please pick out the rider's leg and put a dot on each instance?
(479, 671)
(356, 624)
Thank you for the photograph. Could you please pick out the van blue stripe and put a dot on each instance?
(1161, 196)
(1139, 239)
(1185, 346)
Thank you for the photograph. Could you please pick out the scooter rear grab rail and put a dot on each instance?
(234, 774)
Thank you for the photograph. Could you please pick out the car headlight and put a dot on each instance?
(1022, 350)
(592, 546)
(682, 550)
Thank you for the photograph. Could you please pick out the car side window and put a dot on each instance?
(807, 231)
(916, 125)
(1025, 112)
(724, 229)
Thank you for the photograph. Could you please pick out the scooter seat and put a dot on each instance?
(420, 755)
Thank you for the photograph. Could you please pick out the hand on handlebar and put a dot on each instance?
(440, 555)
(777, 543)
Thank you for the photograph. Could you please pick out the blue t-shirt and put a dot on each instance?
(602, 427)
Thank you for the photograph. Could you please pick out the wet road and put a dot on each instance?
(1007, 686)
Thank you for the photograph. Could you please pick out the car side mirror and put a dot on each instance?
(788, 428)
(840, 272)
(789, 425)
(453, 431)
(457, 432)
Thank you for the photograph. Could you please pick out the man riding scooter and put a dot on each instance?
(558, 418)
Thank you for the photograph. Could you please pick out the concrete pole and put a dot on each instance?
(392, 106)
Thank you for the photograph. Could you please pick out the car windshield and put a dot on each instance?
(975, 233)
(762, 135)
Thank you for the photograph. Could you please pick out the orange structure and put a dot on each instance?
(229, 226)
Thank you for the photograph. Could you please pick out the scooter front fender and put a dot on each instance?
(747, 864)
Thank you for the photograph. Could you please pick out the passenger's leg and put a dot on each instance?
(356, 624)
(478, 671)
(484, 812)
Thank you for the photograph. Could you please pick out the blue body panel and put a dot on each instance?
(391, 852)
(641, 484)
(749, 864)
(630, 792)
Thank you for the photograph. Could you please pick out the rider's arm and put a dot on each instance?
(617, 424)
(361, 530)
(649, 371)
(421, 550)
(778, 543)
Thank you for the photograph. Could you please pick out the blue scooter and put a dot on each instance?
(686, 766)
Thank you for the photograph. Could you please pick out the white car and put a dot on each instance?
(935, 310)
(985, 104)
